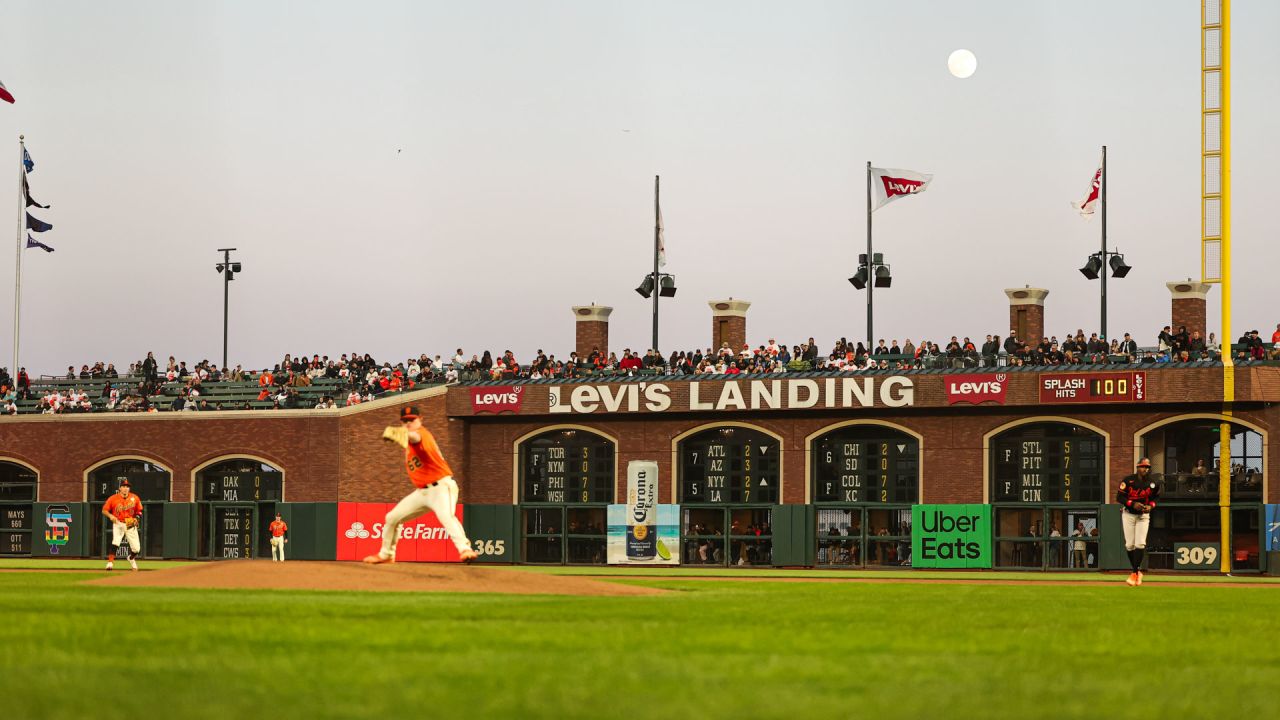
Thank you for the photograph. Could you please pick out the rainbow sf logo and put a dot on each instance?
(57, 518)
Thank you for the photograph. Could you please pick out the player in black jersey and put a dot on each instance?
(1137, 494)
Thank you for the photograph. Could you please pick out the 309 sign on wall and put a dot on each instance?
(1196, 556)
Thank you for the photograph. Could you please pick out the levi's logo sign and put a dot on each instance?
(974, 389)
(496, 399)
(901, 186)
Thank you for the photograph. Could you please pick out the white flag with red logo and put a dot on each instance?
(890, 184)
(1091, 201)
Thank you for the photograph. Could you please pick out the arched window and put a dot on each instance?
(1047, 485)
(17, 494)
(566, 482)
(150, 482)
(729, 478)
(237, 498)
(865, 479)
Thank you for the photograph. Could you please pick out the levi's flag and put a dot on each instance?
(662, 241)
(890, 184)
(26, 193)
(4, 94)
(37, 225)
(1091, 200)
(33, 243)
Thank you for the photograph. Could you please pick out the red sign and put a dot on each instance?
(974, 389)
(422, 539)
(1093, 387)
(496, 399)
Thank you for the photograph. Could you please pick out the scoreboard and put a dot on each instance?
(15, 529)
(1044, 468)
(567, 467)
(1093, 387)
(233, 532)
(856, 467)
(150, 486)
(730, 465)
(234, 486)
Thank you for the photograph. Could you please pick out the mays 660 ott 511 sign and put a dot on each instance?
(790, 394)
(1093, 387)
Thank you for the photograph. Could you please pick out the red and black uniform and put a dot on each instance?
(1134, 490)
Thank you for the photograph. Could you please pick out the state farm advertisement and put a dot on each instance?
(496, 399)
(422, 539)
(974, 389)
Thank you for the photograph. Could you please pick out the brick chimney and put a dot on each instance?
(1026, 312)
(1189, 306)
(728, 323)
(592, 328)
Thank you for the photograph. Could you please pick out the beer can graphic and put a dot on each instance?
(642, 510)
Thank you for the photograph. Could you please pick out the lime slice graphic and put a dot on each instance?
(663, 552)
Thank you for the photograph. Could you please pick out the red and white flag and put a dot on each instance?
(890, 184)
(4, 94)
(1087, 207)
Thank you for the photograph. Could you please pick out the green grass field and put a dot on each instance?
(710, 649)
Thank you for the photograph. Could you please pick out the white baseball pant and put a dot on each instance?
(1135, 530)
(119, 531)
(442, 499)
(277, 549)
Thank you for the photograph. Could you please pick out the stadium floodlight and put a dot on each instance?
(667, 288)
(883, 278)
(1092, 267)
(1118, 266)
(859, 279)
(646, 287)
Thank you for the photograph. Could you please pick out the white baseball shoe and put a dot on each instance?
(133, 564)
(109, 564)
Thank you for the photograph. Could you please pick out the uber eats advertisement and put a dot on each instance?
(951, 536)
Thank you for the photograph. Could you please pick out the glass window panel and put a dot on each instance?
(586, 551)
(703, 521)
(703, 551)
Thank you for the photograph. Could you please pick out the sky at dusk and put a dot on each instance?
(408, 177)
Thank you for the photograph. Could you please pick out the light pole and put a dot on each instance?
(663, 283)
(228, 270)
(872, 273)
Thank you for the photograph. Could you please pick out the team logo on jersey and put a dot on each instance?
(58, 520)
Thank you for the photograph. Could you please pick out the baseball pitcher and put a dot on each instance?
(436, 491)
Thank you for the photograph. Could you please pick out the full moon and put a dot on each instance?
(962, 63)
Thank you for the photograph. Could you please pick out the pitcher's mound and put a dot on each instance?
(398, 577)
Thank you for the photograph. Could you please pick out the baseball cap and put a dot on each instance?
(409, 413)
(1144, 463)
(124, 482)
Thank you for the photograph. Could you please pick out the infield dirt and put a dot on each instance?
(400, 577)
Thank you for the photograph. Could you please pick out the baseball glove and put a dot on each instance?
(131, 522)
(398, 435)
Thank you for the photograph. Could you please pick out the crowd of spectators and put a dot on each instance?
(355, 378)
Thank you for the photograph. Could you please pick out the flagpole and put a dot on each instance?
(17, 269)
(1104, 242)
(870, 273)
(657, 280)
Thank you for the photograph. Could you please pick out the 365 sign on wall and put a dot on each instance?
(951, 536)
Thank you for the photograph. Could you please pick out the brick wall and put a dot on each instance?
(591, 334)
(1190, 312)
(336, 455)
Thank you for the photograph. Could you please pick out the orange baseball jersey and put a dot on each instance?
(278, 528)
(424, 462)
(123, 508)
